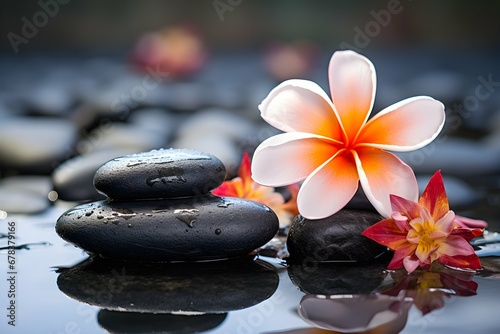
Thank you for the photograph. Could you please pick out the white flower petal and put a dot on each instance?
(302, 106)
(405, 126)
(352, 85)
(328, 188)
(288, 158)
(383, 174)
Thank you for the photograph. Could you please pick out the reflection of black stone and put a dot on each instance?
(209, 287)
(132, 322)
(337, 278)
(335, 238)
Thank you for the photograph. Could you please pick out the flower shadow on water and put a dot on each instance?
(168, 297)
(383, 309)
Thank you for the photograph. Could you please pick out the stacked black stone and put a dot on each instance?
(159, 208)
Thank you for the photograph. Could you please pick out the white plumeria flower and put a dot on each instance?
(331, 144)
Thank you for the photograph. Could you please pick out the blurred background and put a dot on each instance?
(82, 82)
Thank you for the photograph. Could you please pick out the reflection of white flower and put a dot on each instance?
(331, 144)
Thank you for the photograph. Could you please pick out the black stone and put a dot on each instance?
(187, 229)
(334, 239)
(360, 202)
(337, 278)
(165, 173)
(115, 322)
(185, 287)
(73, 179)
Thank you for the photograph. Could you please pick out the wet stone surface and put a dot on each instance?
(73, 179)
(187, 229)
(165, 173)
(334, 239)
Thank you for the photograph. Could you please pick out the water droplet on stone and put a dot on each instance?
(100, 216)
(187, 216)
(149, 215)
(129, 225)
(89, 213)
(218, 231)
(224, 204)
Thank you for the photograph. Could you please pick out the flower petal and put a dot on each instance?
(434, 197)
(245, 173)
(405, 126)
(302, 106)
(405, 207)
(467, 233)
(401, 221)
(470, 222)
(405, 250)
(461, 261)
(352, 85)
(386, 232)
(233, 188)
(411, 263)
(290, 157)
(329, 187)
(455, 245)
(381, 174)
(445, 223)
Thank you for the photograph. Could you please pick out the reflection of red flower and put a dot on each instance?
(427, 231)
(430, 288)
(243, 186)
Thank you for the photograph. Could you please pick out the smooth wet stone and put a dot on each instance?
(35, 144)
(225, 150)
(24, 194)
(338, 278)
(115, 322)
(182, 288)
(360, 202)
(216, 121)
(120, 136)
(185, 229)
(334, 239)
(73, 180)
(164, 173)
(156, 120)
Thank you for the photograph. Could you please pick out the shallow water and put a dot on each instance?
(41, 306)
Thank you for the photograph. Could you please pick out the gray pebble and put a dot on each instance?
(35, 145)
(73, 180)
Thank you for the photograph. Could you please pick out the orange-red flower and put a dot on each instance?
(243, 186)
(427, 231)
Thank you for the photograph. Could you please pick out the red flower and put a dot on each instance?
(243, 186)
(427, 231)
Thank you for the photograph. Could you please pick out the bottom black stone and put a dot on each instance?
(334, 239)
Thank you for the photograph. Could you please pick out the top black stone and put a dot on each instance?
(164, 173)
